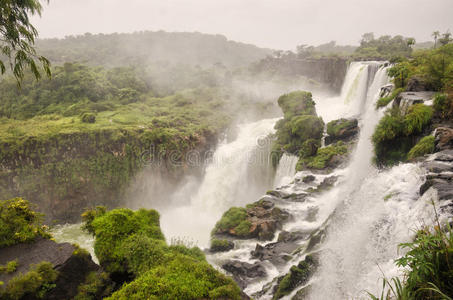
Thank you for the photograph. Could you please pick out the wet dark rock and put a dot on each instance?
(243, 272)
(445, 155)
(386, 90)
(326, 184)
(286, 236)
(308, 179)
(438, 167)
(300, 197)
(444, 138)
(221, 245)
(277, 253)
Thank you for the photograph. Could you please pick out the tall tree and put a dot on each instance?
(17, 38)
(436, 35)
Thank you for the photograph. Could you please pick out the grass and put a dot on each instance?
(424, 146)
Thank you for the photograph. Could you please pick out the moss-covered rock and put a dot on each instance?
(326, 158)
(297, 276)
(341, 129)
(258, 220)
(300, 131)
(221, 245)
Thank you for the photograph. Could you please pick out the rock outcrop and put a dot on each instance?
(407, 99)
(72, 264)
(444, 138)
(244, 272)
(341, 130)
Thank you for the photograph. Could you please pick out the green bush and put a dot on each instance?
(96, 286)
(132, 248)
(114, 229)
(395, 134)
(34, 284)
(417, 118)
(19, 223)
(182, 278)
(9, 268)
(443, 105)
(424, 146)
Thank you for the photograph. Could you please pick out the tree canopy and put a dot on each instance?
(17, 38)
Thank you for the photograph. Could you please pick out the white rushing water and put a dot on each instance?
(286, 170)
(239, 171)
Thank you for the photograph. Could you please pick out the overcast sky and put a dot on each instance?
(278, 24)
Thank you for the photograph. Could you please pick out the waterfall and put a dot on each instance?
(286, 169)
(239, 172)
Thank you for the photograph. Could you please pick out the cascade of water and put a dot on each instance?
(239, 172)
(286, 170)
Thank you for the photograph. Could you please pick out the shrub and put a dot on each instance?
(114, 229)
(9, 268)
(96, 286)
(424, 146)
(19, 223)
(182, 278)
(417, 117)
(395, 134)
(443, 105)
(34, 284)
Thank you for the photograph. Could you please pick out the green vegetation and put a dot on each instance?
(394, 136)
(96, 286)
(33, 284)
(85, 133)
(132, 248)
(300, 131)
(10, 267)
(443, 105)
(220, 244)
(386, 100)
(234, 219)
(385, 47)
(18, 38)
(424, 146)
(429, 269)
(297, 275)
(322, 157)
(18, 223)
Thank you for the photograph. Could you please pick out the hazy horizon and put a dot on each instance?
(282, 24)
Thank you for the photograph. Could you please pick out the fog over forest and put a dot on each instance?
(277, 24)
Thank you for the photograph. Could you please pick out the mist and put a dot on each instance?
(265, 23)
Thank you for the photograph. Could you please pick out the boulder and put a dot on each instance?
(444, 138)
(445, 155)
(221, 245)
(308, 179)
(243, 272)
(407, 99)
(72, 264)
(279, 253)
(341, 130)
